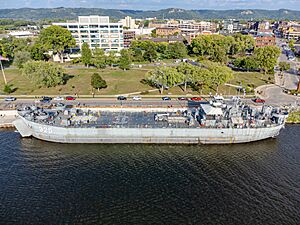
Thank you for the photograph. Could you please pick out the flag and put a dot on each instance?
(3, 58)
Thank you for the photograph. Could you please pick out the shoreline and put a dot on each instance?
(293, 118)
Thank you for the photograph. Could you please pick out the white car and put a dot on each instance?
(10, 99)
(136, 98)
(58, 98)
(235, 98)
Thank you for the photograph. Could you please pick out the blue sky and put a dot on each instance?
(155, 4)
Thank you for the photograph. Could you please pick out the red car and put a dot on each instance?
(259, 100)
(196, 99)
(70, 98)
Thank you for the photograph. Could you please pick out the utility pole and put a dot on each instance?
(3, 74)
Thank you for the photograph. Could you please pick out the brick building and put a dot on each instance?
(265, 39)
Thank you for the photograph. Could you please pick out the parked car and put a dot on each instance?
(58, 98)
(166, 98)
(45, 99)
(182, 99)
(196, 99)
(70, 98)
(235, 98)
(259, 100)
(136, 98)
(122, 98)
(10, 99)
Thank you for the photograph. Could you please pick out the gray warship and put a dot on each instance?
(209, 123)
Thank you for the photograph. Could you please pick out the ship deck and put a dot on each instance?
(106, 119)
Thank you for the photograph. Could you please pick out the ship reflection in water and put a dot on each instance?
(49, 183)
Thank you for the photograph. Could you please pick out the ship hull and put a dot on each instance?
(145, 135)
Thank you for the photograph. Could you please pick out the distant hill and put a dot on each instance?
(172, 13)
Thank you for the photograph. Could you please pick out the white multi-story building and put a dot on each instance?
(129, 23)
(97, 31)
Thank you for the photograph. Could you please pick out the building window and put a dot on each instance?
(95, 45)
(104, 45)
(113, 26)
(95, 40)
(95, 36)
(114, 35)
(93, 26)
(83, 26)
(73, 26)
(84, 31)
(103, 26)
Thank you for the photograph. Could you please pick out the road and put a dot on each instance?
(109, 102)
(273, 94)
(116, 103)
(290, 78)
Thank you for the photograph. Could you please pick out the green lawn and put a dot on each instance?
(119, 82)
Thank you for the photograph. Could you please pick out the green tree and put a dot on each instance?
(242, 43)
(214, 47)
(125, 59)
(86, 54)
(191, 73)
(153, 33)
(37, 51)
(292, 44)
(7, 47)
(267, 57)
(97, 82)
(165, 77)
(138, 55)
(218, 74)
(43, 73)
(111, 58)
(148, 48)
(150, 54)
(176, 50)
(21, 57)
(99, 58)
(8, 89)
(57, 39)
(284, 66)
(248, 63)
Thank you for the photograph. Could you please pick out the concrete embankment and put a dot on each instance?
(7, 117)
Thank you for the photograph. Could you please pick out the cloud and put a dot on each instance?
(156, 4)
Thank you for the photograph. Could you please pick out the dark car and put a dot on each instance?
(182, 99)
(122, 98)
(46, 99)
(166, 98)
(196, 99)
(259, 100)
(70, 98)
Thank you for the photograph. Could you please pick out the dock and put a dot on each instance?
(7, 117)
